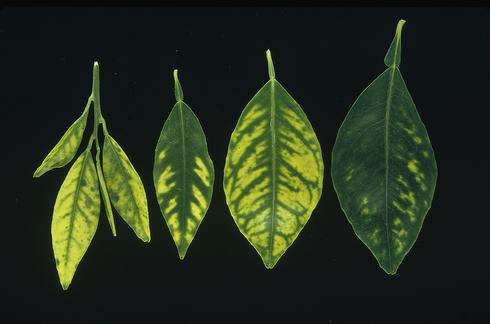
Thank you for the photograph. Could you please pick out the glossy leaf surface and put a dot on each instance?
(183, 173)
(274, 170)
(383, 165)
(75, 217)
(66, 148)
(125, 188)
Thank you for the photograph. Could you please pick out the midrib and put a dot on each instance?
(273, 168)
(184, 189)
(387, 162)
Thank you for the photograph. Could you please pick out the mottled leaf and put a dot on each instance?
(183, 173)
(125, 188)
(274, 170)
(383, 165)
(75, 217)
(66, 148)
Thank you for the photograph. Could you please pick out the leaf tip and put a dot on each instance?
(37, 173)
(270, 263)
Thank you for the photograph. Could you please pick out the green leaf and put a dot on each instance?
(274, 170)
(66, 148)
(125, 188)
(75, 217)
(183, 173)
(383, 165)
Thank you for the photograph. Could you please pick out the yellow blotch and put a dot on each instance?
(364, 200)
(247, 175)
(412, 166)
(251, 202)
(191, 225)
(417, 140)
(253, 114)
(401, 180)
(261, 240)
(365, 211)
(400, 232)
(298, 199)
(161, 155)
(296, 122)
(410, 197)
(241, 221)
(399, 245)
(188, 237)
(425, 154)
(258, 219)
(397, 221)
(279, 245)
(173, 221)
(163, 185)
(287, 222)
(172, 203)
(176, 235)
(374, 236)
(410, 131)
(199, 196)
(302, 158)
(202, 171)
(408, 211)
(196, 211)
(246, 140)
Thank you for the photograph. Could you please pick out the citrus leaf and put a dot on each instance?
(274, 170)
(66, 148)
(75, 217)
(125, 188)
(183, 173)
(383, 165)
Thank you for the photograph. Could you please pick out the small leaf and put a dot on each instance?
(383, 165)
(183, 173)
(125, 188)
(75, 217)
(66, 148)
(273, 174)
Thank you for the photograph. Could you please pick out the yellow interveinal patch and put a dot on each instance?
(75, 217)
(274, 171)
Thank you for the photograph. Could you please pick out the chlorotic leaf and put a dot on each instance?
(66, 148)
(273, 174)
(125, 188)
(183, 173)
(75, 217)
(383, 165)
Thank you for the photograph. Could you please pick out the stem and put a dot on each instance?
(179, 94)
(393, 56)
(98, 119)
(272, 73)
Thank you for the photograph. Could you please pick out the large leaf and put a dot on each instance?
(183, 173)
(125, 188)
(383, 165)
(75, 217)
(66, 148)
(274, 170)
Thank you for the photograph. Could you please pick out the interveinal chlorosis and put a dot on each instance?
(273, 174)
(183, 172)
(383, 165)
(77, 207)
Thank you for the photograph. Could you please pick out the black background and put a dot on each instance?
(325, 57)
